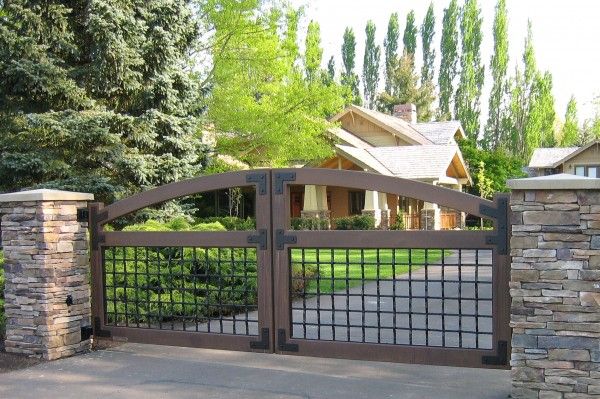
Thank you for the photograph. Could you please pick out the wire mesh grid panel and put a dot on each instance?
(422, 297)
(211, 290)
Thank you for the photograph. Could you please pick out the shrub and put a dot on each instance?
(398, 223)
(304, 223)
(357, 222)
(300, 280)
(231, 223)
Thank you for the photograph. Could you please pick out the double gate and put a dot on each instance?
(431, 297)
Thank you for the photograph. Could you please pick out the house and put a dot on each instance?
(392, 145)
(581, 161)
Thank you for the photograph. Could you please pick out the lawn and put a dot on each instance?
(333, 269)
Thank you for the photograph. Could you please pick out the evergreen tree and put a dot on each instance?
(96, 96)
(313, 53)
(449, 59)
(495, 135)
(410, 34)
(427, 33)
(371, 66)
(570, 132)
(468, 95)
(349, 77)
(390, 45)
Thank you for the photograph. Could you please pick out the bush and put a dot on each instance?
(357, 222)
(398, 223)
(304, 223)
(231, 223)
(299, 280)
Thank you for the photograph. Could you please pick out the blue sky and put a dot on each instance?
(566, 37)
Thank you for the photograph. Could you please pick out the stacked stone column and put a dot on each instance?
(555, 288)
(47, 293)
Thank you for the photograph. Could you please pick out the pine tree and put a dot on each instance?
(427, 33)
(349, 77)
(449, 59)
(390, 45)
(570, 131)
(468, 95)
(371, 66)
(313, 53)
(96, 96)
(410, 34)
(495, 136)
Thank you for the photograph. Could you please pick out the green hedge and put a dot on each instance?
(231, 223)
(357, 222)
(304, 223)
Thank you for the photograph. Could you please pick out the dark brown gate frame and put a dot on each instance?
(496, 240)
(273, 239)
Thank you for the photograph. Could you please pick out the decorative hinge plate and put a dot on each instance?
(281, 239)
(281, 177)
(260, 178)
(282, 343)
(260, 239)
(501, 357)
(263, 344)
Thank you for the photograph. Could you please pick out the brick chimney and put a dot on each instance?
(407, 112)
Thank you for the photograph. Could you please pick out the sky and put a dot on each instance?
(566, 37)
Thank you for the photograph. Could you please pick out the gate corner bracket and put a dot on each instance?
(281, 239)
(501, 357)
(280, 178)
(263, 344)
(260, 178)
(260, 239)
(282, 343)
(500, 214)
(98, 331)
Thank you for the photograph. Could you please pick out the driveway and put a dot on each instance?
(136, 371)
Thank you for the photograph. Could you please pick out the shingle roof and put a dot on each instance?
(547, 157)
(348, 138)
(439, 132)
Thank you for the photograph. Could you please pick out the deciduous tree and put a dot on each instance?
(390, 45)
(349, 77)
(371, 66)
(570, 132)
(427, 33)
(449, 59)
(410, 34)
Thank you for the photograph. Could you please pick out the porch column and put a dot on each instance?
(372, 206)
(385, 211)
(460, 216)
(315, 202)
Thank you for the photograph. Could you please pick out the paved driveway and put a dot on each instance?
(137, 371)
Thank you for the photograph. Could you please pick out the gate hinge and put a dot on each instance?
(281, 239)
(83, 215)
(282, 343)
(500, 213)
(260, 178)
(260, 239)
(281, 177)
(98, 331)
(501, 357)
(263, 344)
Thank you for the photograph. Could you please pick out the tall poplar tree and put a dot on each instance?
(468, 95)
(313, 53)
(410, 34)
(390, 45)
(331, 69)
(349, 77)
(371, 65)
(495, 135)
(449, 59)
(427, 33)
(570, 130)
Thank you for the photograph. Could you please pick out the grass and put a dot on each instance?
(328, 269)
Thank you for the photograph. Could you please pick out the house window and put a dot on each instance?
(356, 202)
(589, 171)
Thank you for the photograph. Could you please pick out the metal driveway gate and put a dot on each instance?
(431, 297)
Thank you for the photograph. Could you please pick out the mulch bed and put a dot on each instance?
(12, 361)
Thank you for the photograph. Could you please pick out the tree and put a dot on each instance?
(495, 135)
(591, 126)
(313, 54)
(540, 127)
(97, 96)
(405, 89)
(410, 34)
(331, 70)
(427, 33)
(449, 59)
(371, 66)
(468, 95)
(390, 45)
(349, 77)
(570, 133)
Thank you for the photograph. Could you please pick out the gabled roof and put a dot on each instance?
(346, 137)
(440, 132)
(395, 126)
(550, 157)
(578, 151)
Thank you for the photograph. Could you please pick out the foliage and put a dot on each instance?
(265, 111)
(370, 75)
(309, 223)
(356, 222)
(399, 222)
(427, 33)
(449, 59)
(405, 89)
(97, 97)
(591, 126)
(570, 131)
(349, 77)
(410, 34)
(484, 182)
(390, 44)
(468, 95)
(331, 70)
(231, 223)
(313, 53)
(495, 133)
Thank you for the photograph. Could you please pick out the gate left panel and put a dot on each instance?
(194, 288)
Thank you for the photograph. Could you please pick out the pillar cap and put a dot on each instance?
(562, 181)
(45, 195)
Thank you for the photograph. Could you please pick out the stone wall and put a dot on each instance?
(47, 293)
(555, 289)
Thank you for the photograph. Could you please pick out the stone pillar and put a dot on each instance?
(315, 203)
(555, 287)
(47, 293)
(385, 211)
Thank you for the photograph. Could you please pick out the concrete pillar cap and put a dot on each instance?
(562, 181)
(45, 195)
